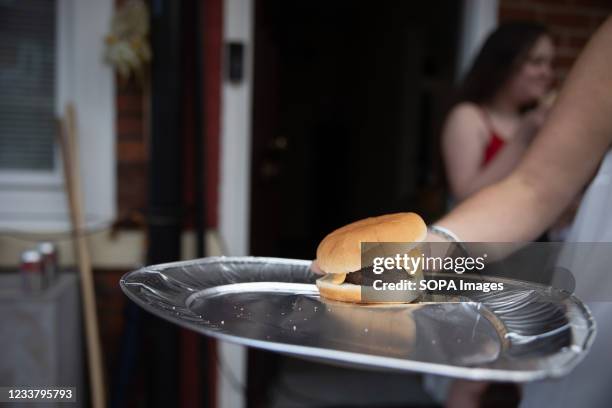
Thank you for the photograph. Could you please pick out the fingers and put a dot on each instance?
(549, 99)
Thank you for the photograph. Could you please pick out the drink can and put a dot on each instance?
(31, 271)
(50, 261)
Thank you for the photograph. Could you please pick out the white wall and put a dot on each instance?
(236, 132)
(234, 200)
(479, 18)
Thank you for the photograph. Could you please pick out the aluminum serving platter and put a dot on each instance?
(527, 332)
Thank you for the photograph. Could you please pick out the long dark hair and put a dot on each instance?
(502, 54)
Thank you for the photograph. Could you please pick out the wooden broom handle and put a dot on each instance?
(69, 147)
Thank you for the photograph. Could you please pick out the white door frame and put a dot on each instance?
(479, 17)
(235, 176)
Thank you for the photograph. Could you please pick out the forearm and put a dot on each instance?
(559, 163)
(508, 211)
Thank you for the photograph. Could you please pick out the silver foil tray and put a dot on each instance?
(525, 333)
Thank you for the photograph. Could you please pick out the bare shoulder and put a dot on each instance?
(467, 112)
(466, 118)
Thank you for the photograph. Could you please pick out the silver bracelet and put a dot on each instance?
(444, 232)
(449, 235)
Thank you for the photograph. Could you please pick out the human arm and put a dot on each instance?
(561, 160)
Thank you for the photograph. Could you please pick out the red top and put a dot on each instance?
(494, 146)
(495, 141)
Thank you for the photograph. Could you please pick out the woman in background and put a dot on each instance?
(574, 145)
(499, 107)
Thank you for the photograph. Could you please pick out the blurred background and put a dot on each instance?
(208, 127)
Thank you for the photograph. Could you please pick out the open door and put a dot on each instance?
(346, 98)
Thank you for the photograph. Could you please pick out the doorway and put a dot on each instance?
(347, 100)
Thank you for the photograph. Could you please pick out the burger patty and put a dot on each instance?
(366, 276)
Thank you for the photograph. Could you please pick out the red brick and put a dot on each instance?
(129, 103)
(513, 14)
(549, 3)
(131, 188)
(575, 42)
(567, 19)
(131, 152)
(130, 128)
(578, 32)
(591, 3)
(599, 19)
(564, 62)
(110, 303)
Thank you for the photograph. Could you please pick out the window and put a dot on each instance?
(27, 80)
(51, 54)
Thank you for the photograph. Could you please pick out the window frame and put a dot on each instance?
(36, 200)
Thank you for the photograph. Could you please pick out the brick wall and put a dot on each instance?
(132, 150)
(132, 133)
(571, 22)
(110, 302)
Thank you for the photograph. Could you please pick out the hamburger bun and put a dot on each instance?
(339, 253)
